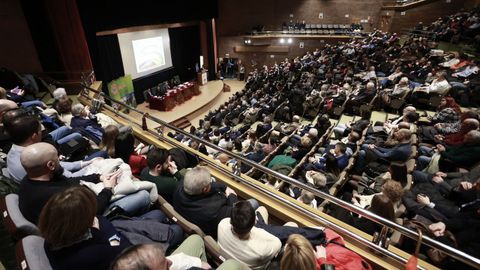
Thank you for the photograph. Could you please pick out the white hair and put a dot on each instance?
(59, 93)
(77, 109)
(196, 180)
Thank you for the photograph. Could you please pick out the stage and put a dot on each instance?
(194, 109)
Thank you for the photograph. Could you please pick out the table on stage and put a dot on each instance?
(174, 96)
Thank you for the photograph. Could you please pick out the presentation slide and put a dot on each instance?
(145, 52)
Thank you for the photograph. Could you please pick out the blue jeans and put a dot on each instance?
(135, 203)
(64, 134)
(422, 162)
(32, 103)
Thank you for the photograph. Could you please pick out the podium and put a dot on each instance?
(202, 78)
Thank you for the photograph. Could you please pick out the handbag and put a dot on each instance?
(421, 223)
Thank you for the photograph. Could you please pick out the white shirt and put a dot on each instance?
(256, 252)
(182, 261)
(438, 87)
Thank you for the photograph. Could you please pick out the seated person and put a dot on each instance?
(380, 205)
(162, 171)
(289, 128)
(463, 155)
(75, 238)
(465, 225)
(350, 142)
(398, 91)
(257, 155)
(301, 150)
(361, 97)
(264, 127)
(189, 255)
(45, 178)
(238, 237)
(203, 202)
(339, 152)
(25, 131)
(399, 152)
(86, 123)
(439, 86)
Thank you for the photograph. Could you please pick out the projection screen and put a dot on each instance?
(145, 52)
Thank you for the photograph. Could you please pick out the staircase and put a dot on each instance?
(181, 123)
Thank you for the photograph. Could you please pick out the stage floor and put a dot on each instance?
(195, 108)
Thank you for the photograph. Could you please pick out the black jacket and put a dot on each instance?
(204, 210)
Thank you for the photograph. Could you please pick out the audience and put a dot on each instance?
(44, 178)
(75, 238)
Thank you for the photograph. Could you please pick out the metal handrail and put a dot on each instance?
(452, 252)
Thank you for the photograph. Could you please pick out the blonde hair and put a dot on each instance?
(305, 141)
(393, 190)
(298, 254)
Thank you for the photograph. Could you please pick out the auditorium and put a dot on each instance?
(236, 135)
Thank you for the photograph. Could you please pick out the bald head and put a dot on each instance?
(149, 256)
(6, 105)
(39, 159)
(471, 123)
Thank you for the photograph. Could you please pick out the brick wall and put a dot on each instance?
(425, 13)
(237, 17)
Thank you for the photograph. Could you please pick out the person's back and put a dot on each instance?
(74, 237)
(240, 239)
(202, 202)
(96, 252)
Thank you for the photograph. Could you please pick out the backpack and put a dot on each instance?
(339, 255)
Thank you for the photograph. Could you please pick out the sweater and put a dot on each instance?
(166, 185)
(33, 195)
(257, 251)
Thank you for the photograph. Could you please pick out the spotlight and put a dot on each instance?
(290, 40)
(282, 40)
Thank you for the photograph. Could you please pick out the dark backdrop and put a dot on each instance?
(109, 15)
(184, 48)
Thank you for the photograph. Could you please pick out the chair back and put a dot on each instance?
(15, 223)
(30, 253)
(187, 226)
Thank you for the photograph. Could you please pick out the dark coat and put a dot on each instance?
(204, 210)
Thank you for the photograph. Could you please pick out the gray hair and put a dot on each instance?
(77, 109)
(370, 85)
(59, 93)
(196, 180)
